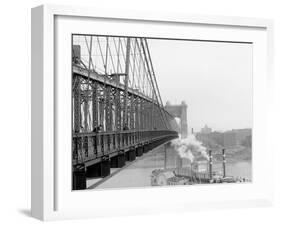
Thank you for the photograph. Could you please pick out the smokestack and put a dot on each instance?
(210, 165)
(223, 163)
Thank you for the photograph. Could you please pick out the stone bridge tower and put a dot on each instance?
(179, 111)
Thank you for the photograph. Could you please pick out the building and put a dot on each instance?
(217, 137)
(243, 135)
(210, 139)
(229, 139)
(206, 130)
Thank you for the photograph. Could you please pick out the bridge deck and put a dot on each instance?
(93, 147)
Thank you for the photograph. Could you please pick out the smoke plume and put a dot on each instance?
(189, 146)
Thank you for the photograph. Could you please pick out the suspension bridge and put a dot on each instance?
(117, 110)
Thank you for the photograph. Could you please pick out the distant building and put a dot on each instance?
(247, 142)
(229, 139)
(217, 137)
(210, 139)
(242, 135)
(203, 137)
(206, 129)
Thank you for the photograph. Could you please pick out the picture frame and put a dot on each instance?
(52, 197)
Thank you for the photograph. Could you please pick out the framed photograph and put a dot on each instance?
(137, 112)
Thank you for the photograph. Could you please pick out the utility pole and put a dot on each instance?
(210, 165)
(223, 163)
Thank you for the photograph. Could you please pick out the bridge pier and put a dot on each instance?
(79, 178)
(131, 155)
(118, 161)
(150, 147)
(156, 144)
(101, 169)
(146, 148)
(105, 168)
(139, 151)
(94, 170)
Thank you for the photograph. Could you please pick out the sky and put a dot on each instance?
(214, 79)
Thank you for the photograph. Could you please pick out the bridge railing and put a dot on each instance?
(90, 146)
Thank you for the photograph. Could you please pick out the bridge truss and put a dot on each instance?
(117, 110)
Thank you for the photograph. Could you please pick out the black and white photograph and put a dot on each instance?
(152, 111)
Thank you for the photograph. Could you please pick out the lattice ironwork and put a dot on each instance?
(116, 100)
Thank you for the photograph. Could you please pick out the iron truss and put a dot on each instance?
(116, 101)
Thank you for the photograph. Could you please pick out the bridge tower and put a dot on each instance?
(179, 111)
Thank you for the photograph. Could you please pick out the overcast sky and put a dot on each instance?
(214, 79)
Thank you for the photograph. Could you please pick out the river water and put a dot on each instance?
(138, 173)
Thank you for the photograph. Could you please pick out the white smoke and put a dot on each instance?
(184, 153)
(188, 146)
